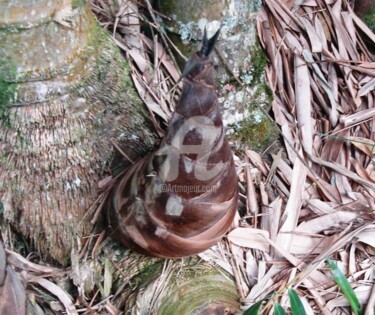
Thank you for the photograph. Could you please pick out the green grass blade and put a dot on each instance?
(296, 303)
(345, 287)
(254, 310)
(278, 310)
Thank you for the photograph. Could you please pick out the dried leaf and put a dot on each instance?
(62, 295)
(333, 114)
(315, 42)
(342, 170)
(293, 205)
(150, 103)
(310, 244)
(367, 236)
(367, 146)
(321, 33)
(2, 264)
(249, 238)
(320, 207)
(164, 58)
(362, 293)
(368, 87)
(108, 278)
(357, 117)
(324, 222)
(13, 295)
(19, 261)
(303, 103)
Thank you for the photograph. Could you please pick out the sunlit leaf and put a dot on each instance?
(254, 310)
(278, 310)
(296, 303)
(345, 287)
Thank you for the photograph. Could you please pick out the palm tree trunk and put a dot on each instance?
(65, 95)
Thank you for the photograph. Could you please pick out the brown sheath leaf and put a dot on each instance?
(13, 295)
(181, 199)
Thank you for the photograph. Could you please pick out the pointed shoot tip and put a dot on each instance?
(208, 44)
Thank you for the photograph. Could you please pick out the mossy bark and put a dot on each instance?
(65, 94)
(165, 287)
(366, 10)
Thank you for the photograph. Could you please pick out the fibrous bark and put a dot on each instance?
(65, 95)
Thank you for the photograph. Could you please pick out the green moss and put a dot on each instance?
(149, 272)
(100, 39)
(185, 296)
(78, 135)
(257, 131)
(369, 19)
(114, 250)
(8, 90)
(186, 12)
(255, 74)
(23, 141)
(78, 3)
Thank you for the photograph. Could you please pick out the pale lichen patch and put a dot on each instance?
(174, 206)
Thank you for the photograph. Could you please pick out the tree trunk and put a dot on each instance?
(65, 95)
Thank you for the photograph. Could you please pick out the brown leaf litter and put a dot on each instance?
(321, 201)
